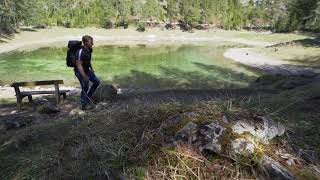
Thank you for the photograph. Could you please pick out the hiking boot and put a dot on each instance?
(87, 107)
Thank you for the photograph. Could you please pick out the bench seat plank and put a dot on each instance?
(26, 93)
(37, 83)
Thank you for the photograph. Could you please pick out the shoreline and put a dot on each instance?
(267, 64)
(59, 37)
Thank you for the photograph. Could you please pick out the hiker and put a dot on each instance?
(85, 73)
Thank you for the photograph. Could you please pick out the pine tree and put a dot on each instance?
(153, 9)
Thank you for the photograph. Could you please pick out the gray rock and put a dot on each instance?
(225, 119)
(242, 146)
(13, 124)
(105, 92)
(170, 122)
(188, 133)
(170, 142)
(173, 121)
(273, 170)
(47, 108)
(264, 131)
(44, 106)
(209, 135)
(16, 121)
(13, 112)
(102, 106)
(78, 112)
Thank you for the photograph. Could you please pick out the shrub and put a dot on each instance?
(141, 27)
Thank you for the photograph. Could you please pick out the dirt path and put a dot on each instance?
(268, 64)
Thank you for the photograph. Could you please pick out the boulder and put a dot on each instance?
(47, 108)
(188, 133)
(15, 121)
(205, 138)
(273, 170)
(44, 106)
(264, 129)
(209, 135)
(169, 26)
(243, 147)
(170, 122)
(232, 139)
(105, 92)
(173, 121)
(76, 112)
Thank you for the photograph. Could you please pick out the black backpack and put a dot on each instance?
(73, 47)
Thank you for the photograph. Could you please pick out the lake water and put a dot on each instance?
(148, 67)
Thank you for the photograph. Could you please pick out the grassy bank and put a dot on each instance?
(120, 138)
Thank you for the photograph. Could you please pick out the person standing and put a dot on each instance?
(85, 73)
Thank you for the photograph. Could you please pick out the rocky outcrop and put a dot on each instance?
(263, 130)
(232, 139)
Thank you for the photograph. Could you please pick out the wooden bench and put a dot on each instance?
(20, 95)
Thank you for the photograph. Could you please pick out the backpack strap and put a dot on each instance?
(79, 55)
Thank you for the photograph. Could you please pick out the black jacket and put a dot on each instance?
(84, 55)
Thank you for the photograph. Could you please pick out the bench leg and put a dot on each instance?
(30, 99)
(64, 95)
(19, 102)
(57, 98)
(56, 87)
